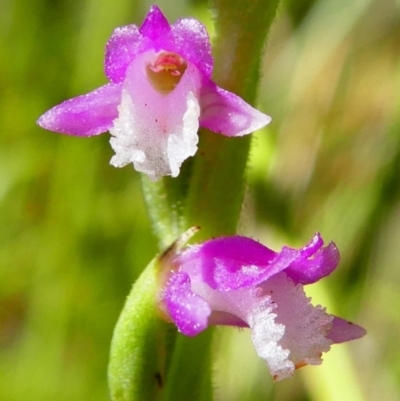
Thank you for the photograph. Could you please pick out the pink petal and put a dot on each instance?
(85, 115)
(155, 24)
(124, 45)
(127, 42)
(318, 263)
(228, 263)
(343, 330)
(189, 38)
(189, 311)
(225, 113)
(312, 246)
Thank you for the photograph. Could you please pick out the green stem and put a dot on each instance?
(217, 187)
(136, 370)
(165, 199)
(163, 212)
(217, 183)
(189, 375)
(241, 32)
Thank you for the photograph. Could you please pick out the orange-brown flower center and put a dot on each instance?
(166, 72)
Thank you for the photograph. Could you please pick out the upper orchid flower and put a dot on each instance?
(237, 281)
(160, 91)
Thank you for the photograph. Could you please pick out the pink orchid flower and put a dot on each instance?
(239, 282)
(160, 92)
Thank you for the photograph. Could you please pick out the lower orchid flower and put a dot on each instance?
(239, 282)
(160, 92)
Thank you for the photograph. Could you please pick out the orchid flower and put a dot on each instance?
(160, 92)
(239, 282)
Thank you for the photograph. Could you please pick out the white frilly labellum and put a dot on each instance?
(288, 332)
(155, 131)
(305, 327)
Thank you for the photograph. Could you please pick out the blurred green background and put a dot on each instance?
(74, 233)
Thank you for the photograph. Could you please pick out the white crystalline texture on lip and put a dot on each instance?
(154, 131)
(266, 335)
(287, 331)
(259, 312)
(183, 144)
(306, 326)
